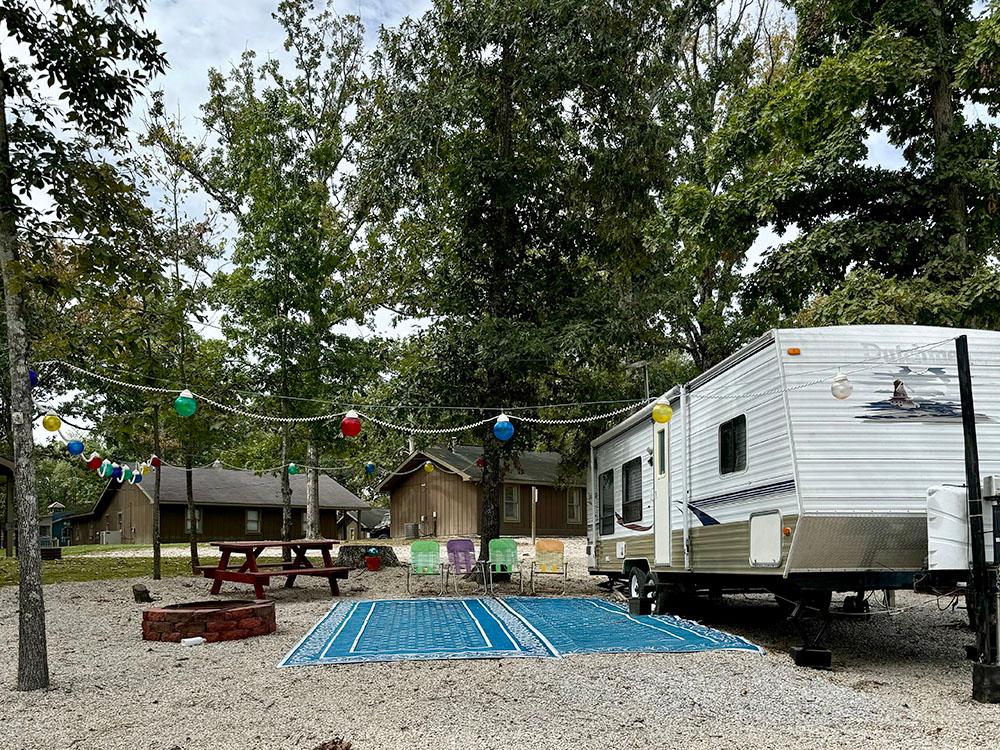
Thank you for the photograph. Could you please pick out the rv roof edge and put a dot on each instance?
(674, 394)
(733, 359)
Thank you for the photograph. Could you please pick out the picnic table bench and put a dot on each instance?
(259, 574)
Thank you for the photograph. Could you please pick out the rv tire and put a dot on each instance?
(638, 580)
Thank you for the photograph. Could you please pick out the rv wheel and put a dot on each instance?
(637, 579)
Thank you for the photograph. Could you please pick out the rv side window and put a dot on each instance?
(733, 445)
(606, 498)
(632, 491)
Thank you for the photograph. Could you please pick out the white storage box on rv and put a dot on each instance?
(948, 546)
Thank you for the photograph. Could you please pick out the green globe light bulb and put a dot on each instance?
(185, 405)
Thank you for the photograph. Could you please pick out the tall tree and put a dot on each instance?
(511, 153)
(282, 141)
(911, 73)
(96, 59)
(704, 229)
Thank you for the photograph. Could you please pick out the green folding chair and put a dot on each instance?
(503, 559)
(425, 560)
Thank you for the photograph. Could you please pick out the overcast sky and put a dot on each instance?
(198, 35)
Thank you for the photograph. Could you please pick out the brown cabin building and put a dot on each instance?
(229, 504)
(448, 500)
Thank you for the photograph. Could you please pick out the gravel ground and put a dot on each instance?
(897, 681)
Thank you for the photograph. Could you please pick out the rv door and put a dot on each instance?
(661, 495)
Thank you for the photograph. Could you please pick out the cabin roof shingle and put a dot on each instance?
(220, 486)
(530, 467)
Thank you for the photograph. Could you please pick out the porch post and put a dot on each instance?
(534, 506)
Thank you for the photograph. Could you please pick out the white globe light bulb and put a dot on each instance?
(842, 387)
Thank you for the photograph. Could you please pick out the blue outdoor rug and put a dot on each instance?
(487, 628)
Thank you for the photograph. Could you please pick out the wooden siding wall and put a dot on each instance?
(136, 519)
(550, 515)
(420, 494)
(228, 522)
(458, 505)
(219, 522)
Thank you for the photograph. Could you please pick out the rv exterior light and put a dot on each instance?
(841, 387)
(794, 351)
(662, 413)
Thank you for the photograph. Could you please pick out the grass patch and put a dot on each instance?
(75, 568)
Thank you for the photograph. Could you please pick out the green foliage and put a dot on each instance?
(510, 155)
(285, 139)
(84, 68)
(700, 238)
(910, 71)
(867, 297)
(66, 481)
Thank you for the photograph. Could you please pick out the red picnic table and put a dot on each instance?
(260, 574)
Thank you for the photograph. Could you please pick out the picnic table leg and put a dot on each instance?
(299, 561)
(328, 563)
(217, 580)
(251, 564)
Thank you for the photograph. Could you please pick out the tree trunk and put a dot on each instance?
(286, 495)
(156, 495)
(193, 533)
(491, 487)
(943, 118)
(33, 660)
(503, 257)
(313, 530)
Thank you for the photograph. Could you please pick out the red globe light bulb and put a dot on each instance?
(350, 425)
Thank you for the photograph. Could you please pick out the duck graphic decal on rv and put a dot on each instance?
(916, 395)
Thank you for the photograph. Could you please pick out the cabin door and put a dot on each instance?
(661, 495)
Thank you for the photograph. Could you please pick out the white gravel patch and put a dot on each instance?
(898, 681)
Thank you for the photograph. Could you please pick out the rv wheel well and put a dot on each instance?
(629, 564)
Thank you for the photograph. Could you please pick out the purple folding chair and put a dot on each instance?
(461, 560)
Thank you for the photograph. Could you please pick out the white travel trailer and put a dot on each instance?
(763, 480)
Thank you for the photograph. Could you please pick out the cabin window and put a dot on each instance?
(632, 491)
(606, 498)
(511, 503)
(574, 506)
(733, 445)
(661, 453)
(197, 520)
(253, 521)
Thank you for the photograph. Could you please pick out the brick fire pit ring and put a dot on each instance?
(214, 621)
